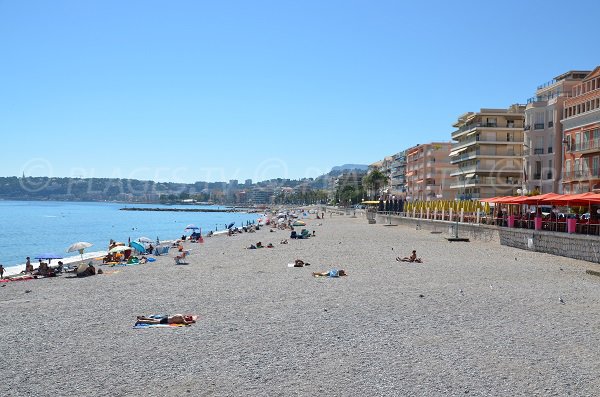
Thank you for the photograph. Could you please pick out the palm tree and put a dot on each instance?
(374, 180)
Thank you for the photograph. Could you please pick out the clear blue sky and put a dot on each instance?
(185, 91)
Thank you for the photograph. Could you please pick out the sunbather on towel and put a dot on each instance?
(174, 319)
(331, 273)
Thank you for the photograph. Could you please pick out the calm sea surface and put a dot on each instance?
(29, 228)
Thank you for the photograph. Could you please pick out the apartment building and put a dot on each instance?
(544, 133)
(428, 172)
(398, 174)
(581, 128)
(488, 153)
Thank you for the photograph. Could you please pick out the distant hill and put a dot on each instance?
(345, 167)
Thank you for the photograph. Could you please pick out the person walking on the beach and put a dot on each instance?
(1, 272)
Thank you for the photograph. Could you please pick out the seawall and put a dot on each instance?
(576, 246)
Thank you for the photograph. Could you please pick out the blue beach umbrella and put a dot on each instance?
(138, 247)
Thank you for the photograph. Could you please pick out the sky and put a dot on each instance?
(187, 91)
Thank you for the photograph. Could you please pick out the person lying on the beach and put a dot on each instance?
(174, 319)
(300, 263)
(284, 241)
(331, 273)
(411, 258)
(270, 245)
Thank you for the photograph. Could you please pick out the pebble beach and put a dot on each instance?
(476, 319)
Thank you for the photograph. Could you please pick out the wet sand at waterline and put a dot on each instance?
(475, 318)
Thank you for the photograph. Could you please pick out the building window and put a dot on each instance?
(538, 170)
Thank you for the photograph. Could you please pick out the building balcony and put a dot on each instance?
(581, 175)
(469, 127)
(487, 170)
(485, 181)
(589, 146)
(484, 153)
(538, 126)
(478, 140)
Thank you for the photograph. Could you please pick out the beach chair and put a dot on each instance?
(181, 258)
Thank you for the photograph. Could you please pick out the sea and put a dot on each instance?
(32, 228)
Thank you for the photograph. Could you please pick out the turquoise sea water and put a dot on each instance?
(29, 228)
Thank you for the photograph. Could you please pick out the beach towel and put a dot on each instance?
(19, 278)
(141, 326)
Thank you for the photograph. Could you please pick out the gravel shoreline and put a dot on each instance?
(475, 318)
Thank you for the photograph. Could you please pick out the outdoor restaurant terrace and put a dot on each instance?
(566, 213)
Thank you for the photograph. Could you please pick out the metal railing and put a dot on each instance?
(587, 145)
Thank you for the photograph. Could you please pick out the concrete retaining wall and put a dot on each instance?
(575, 246)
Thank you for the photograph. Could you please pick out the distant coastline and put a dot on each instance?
(248, 210)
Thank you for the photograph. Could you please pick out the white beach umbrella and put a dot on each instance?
(119, 248)
(79, 246)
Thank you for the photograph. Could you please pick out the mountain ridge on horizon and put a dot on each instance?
(344, 167)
